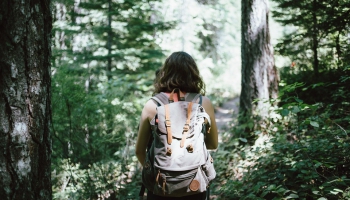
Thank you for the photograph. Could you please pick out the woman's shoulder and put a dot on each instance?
(150, 104)
(206, 102)
(149, 109)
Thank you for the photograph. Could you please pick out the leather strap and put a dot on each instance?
(187, 125)
(168, 124)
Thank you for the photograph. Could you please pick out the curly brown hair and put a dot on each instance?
(179, 71)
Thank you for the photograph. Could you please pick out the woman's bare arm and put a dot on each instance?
(144, 132)
(211, 139)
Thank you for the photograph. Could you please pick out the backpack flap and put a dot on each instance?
(184, 150)
(177, 117)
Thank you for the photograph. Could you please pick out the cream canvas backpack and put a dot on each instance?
(178, 162)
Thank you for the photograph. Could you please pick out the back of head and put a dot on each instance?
(179, 71)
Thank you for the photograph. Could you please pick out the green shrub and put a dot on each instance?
(301, 151)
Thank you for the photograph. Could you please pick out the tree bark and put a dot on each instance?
(259, 74)
(109, 41)
(25, 98)
(315, 39)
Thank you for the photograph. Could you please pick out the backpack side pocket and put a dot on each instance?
(148, 175)
(209, 169)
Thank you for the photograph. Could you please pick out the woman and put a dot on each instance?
(179, 71)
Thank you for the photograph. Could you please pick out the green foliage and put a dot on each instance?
(300, 152)
(316, 29)
(92, 135)
(100, 180)
(104, 59)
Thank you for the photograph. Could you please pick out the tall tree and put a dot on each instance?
(25, 141)
(259, 74)
(317, 26)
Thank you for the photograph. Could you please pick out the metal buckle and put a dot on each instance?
(168, 151)
(167, 123)
(186, 127)
(189, 148)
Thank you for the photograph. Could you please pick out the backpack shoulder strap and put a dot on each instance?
(193, 97)
(161, 99)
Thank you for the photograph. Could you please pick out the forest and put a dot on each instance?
(75, 75)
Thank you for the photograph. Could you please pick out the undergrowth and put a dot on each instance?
(300, 151)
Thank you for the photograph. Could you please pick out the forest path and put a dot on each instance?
(225, 113)
(224, 116)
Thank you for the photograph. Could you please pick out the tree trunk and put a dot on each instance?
(25, 141)
(259, 74)
(315, 39)
(109, 41)
(337, 45)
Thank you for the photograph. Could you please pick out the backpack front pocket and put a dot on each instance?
(176, 184)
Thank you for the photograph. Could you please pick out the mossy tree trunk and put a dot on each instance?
(259, 74)
(25, 141)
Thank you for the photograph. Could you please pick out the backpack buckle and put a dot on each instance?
(189, 148)
(168, 151)
(167, 123)
(186, 127)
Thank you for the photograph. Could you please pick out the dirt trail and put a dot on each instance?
(225, 113)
